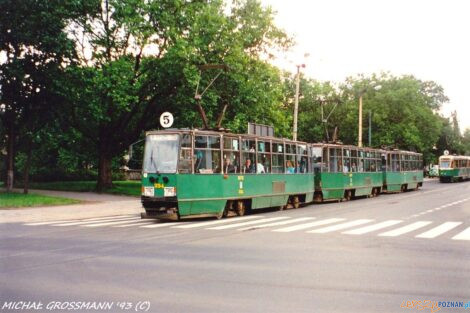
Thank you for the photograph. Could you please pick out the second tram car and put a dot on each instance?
(403, 171)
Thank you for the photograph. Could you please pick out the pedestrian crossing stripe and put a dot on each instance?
(309, 225)
(439, 230)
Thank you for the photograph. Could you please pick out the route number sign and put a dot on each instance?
(166, 119)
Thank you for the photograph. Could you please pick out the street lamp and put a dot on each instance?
(296, 103)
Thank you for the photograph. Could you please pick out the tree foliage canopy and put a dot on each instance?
(83, 79)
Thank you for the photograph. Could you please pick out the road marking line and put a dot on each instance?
(201, 224)
(109, 223)
(249, 223)
(72, 220)
(405, 229)
(339, 226)
(465, 235)
(371, 228)
(142, 222)
(439, 230)
(91, 221)
(161, 224)
(301, 219)
(308, 225)
(46, 223)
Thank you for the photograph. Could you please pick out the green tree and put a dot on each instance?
(466, 141)
(35, 49)
(138, 59)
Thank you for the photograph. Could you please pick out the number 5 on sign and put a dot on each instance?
(166, 119)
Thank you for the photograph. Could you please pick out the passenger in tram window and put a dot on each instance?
(339, 165)
(248, 168)
(199, 155)
(354, 167)
(228, 167)
(361, 166)
(303, 165)
(260, 168)
(290, 167)
(345, 169)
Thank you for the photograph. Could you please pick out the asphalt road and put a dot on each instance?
(366, 255)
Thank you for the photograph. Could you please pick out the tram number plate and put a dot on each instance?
(149, 191)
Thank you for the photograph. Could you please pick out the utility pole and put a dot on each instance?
(296, 103)
(359, 144)
(370, 128)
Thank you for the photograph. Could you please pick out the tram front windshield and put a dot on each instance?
(445, 163)
(161, 153)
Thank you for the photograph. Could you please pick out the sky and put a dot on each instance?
(428, 39)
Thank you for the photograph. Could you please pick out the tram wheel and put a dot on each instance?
(240, 208)
(403, 188)
(347, 195)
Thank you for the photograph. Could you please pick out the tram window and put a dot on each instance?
(353, 165)
(346, 165)
(360, 165)
(248, 145)
(290, 164)
(278, 147)
(207, 161)
(200, 142)
(290, 149)
(248, 161)
(230, 143)
(231, 162)
(335, 160)
(373, 167)
(264, 146)
(316, 159)
(278, 163)
(302, 149)
(366, 165)
(184, 163)
(214, 142)
(302, 164)
(264, 163)
(186, 140)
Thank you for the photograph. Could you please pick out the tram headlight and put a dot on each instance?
(169, 191)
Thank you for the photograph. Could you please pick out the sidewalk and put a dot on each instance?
(95, 205)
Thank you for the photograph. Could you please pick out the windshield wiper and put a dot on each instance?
(152, 162)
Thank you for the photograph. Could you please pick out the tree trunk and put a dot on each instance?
(10, 158)
(104, 173)
(27, 167)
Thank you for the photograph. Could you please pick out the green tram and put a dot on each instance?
(201, 173)
(454, 168)
(195, 173)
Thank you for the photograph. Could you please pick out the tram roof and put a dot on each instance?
(455, 157)
(317, 144)
(224, 133)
